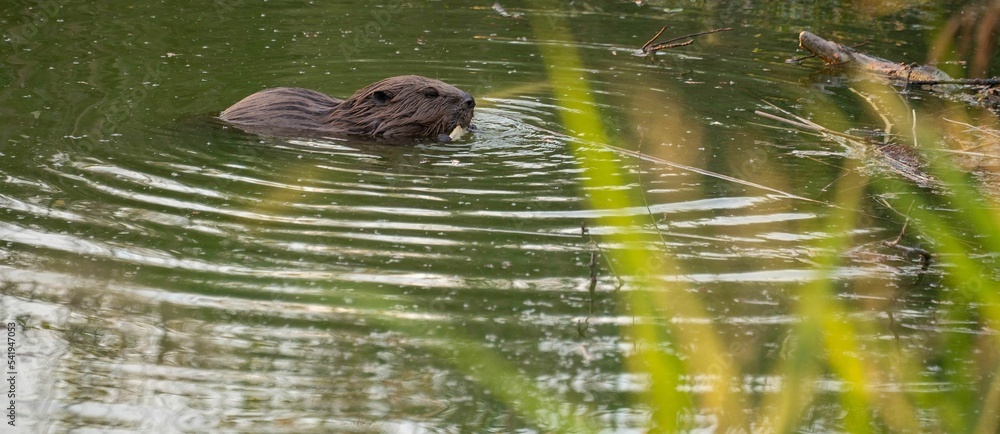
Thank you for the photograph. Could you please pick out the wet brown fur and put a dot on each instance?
(407, 106)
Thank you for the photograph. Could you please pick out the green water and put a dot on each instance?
(170, 274)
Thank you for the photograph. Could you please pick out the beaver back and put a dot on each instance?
(289, 108)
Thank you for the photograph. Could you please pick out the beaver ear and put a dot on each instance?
(381, 97)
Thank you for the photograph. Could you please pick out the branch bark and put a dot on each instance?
(836, 54)
(983, 92)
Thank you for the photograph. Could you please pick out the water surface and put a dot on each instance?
(168, 273)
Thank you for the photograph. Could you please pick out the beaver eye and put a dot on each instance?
(381, 97)
(430, 92)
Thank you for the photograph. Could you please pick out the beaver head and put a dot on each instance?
(404, 106)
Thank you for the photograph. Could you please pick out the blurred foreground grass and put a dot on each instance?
(878, 383)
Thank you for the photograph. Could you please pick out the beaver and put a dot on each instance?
(403, 107)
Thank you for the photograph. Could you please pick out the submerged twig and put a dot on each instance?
(925, 256)
(994, 81)
(900, 158)
(802, 122)
(717, 175)
(642, 194)
(700, 171)
(871, 102)
(787, 121)
(651, 46)
(979, 129)
(593, 268)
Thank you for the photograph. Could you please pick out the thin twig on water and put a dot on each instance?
(651, 46)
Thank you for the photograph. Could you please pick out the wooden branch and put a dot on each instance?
(985, 92)
(651, 46)
(836, 54)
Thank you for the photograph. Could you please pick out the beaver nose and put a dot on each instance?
(469, 101)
